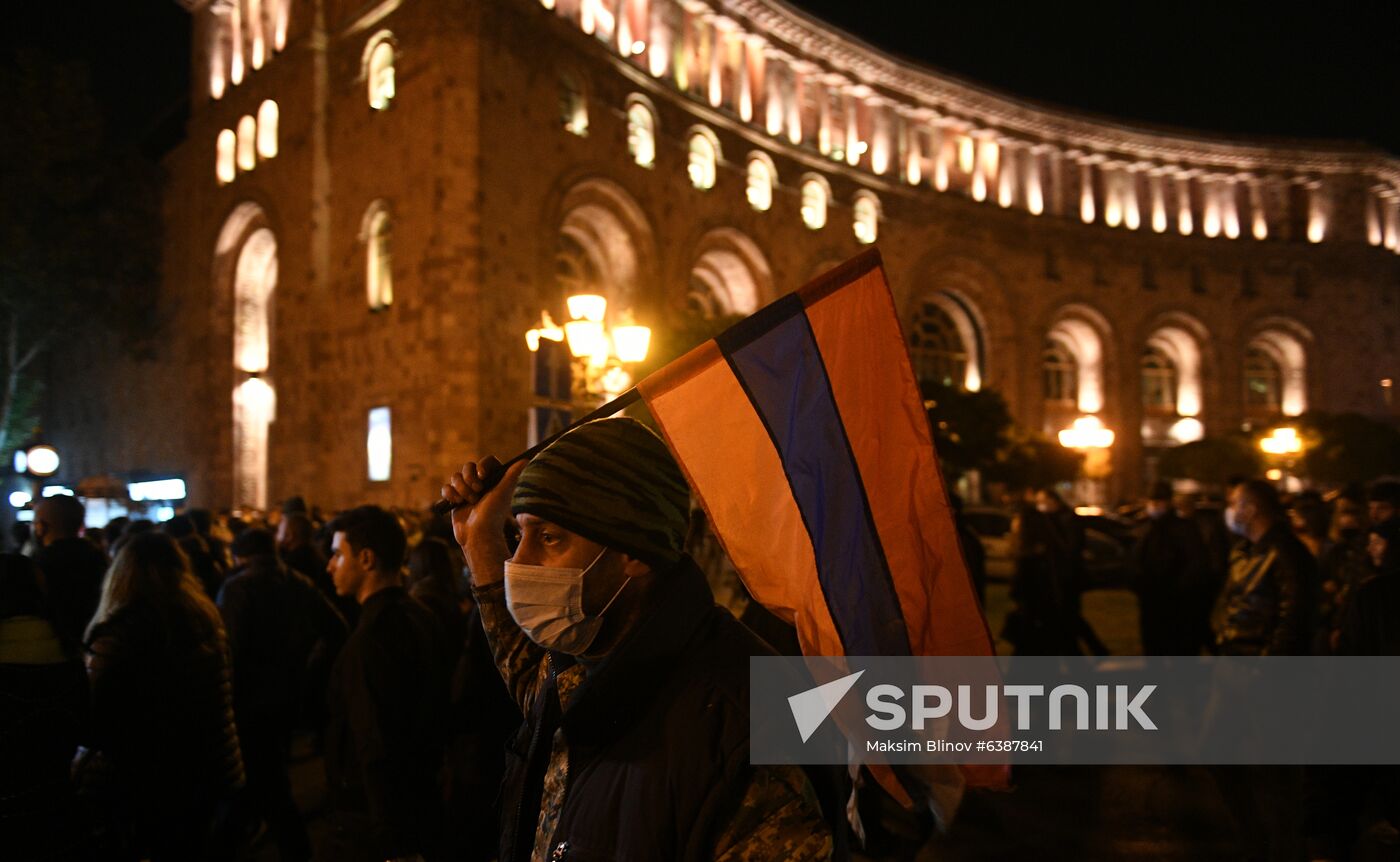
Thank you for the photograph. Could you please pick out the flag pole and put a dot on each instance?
(621, 402)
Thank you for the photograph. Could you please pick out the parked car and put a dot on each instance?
(1108, 544)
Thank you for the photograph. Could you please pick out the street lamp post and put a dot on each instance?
(1090, 437)
(602, 355)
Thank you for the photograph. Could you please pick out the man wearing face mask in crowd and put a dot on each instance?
(1172, 577)
(632, 681)
(1264, 607)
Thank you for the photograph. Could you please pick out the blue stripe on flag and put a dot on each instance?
(784, 375)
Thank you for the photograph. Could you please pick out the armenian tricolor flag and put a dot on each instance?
(802, 432)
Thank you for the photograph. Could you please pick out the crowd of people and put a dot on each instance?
(1267, 574)
(154, 676)
(545, 674)
(1263, 574)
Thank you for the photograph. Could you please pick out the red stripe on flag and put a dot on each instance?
(729, 460)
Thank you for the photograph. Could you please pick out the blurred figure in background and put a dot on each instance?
(164, 757)
(278, 624)
(1173, 580)
(1043, 619)
(1310, 521)
(1342, 568)
(72, 567)
(973, 551)
(43, 717)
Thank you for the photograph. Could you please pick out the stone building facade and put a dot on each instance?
(431, 174)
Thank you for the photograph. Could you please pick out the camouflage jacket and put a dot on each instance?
(777, 818)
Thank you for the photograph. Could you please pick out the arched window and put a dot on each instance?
(866, 220)
(937, 351)
(761, 179)
(379, 70)
(730, 275)
(704, 158)
(1262, 381)
(1060, 372)
(1158, 381)
(247, 143)
(815, 195)
(641, 133)
(267, 129)
(379, 276)
(573, 106)
(224, 168)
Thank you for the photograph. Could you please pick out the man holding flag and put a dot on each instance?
(633, 682)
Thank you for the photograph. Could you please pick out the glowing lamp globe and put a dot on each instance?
(43, 460)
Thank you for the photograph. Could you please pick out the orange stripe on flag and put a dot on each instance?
(873, 383)
(756, 519)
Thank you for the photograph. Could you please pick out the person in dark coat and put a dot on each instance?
(1346, 802)
(1343, 568)
(388, 701)
(163, 728)
(632, 680)
(1043, 618)
(1067, 532)
(1266, 605)
(974, 552)
(1264, 610)
(278, 623)
(43, 717)
(205, 567)
(73, 568)
(434, 570)
(1172, 576)
(1372, 622)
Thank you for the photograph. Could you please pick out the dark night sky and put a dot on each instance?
(1317, 69)
(1322, 70)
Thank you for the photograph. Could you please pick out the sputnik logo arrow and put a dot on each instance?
(811, 707)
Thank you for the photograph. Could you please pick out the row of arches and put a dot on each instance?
(605, 245)
(946, 337)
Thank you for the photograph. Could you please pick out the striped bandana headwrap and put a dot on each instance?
(614, 482)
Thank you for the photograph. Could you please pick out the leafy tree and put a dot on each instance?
(1212, 460)
(970, 429)
(1031, 460)
(1347, 447)
(81, 239)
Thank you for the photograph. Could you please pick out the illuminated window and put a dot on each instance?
(815, 195)
(1060, 373)
(573, 106)
(247, 143)
(379, 444)
(379, 70)
(1158, 381)
(704, 156)
(224, 168)
(936, 348)
(267, 129)
(761, 179)
(641, 133)
(866, 221)
(379, 280)
(1262, 381)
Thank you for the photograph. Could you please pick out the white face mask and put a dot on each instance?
(547, 603)
(1233, 522)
